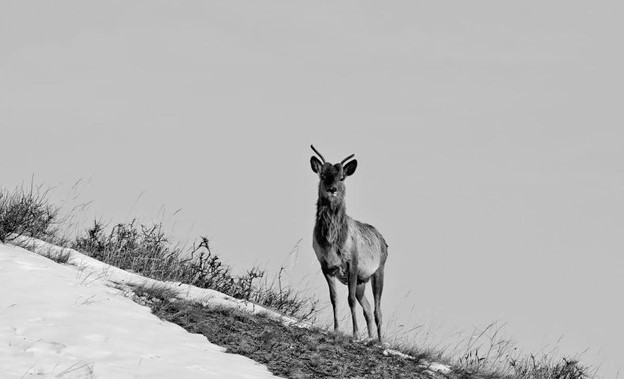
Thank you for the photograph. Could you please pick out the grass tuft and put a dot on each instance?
(546, 368)
(147, 294)
(489, 353)
(60, 256)
(26, 213)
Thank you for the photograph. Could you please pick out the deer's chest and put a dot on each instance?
(333, 255)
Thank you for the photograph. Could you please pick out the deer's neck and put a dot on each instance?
(331, 223)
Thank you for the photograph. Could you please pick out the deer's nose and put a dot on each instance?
(332, 189)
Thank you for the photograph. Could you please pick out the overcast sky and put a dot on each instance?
(489, 138)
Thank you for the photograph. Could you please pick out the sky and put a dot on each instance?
(81, 328)
(488, 136)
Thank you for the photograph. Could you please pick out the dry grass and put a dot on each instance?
(58, 256)
(287, 351)
(147, 251)
(26, 212)
(294, 352)
(489, 352)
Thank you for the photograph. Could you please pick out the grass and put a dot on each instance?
(148, 251)
(489, 352)
(58, 256)
(547, 368)
(296, 353)
(287, 351)
(27, 213)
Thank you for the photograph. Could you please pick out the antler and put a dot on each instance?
(317, 153)
(347, 158)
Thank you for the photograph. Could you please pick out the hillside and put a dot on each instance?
(67, 314)
(87, 327)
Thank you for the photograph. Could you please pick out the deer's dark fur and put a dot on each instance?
(349, 250)
(331, 223)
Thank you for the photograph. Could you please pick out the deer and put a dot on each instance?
(348, 250)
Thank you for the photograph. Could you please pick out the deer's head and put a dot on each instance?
(332, 176)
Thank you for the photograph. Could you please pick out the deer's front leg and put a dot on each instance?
(352, 283)
(331, 283)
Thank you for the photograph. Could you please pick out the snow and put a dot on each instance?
(68, 321)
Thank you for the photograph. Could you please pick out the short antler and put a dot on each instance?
(347, 158)
(317, 153)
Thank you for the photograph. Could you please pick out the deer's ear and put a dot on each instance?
(316, 164)
(349, 168)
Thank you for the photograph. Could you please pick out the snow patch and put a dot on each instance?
(66, 321)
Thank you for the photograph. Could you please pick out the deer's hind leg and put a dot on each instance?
(377, 283)
(368, 316)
